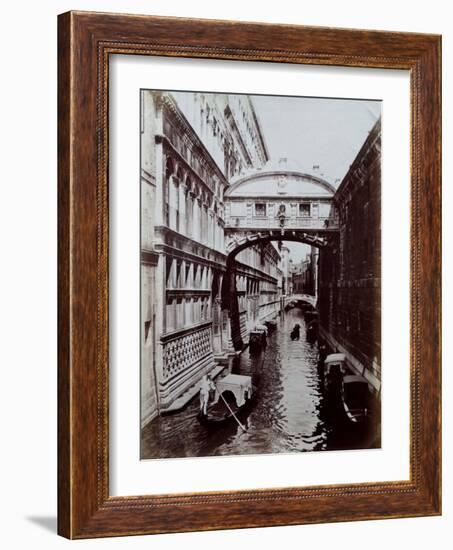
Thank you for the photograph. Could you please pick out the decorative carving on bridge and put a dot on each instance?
(281, 215)
(281, 184)
(240, 240)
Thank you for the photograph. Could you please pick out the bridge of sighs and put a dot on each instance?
(274, 204)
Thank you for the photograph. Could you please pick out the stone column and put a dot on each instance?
(182, 209)
(211, 240)
(160, 321)
(190, 213)
(160, 169)
(172, 190)
(196, 220)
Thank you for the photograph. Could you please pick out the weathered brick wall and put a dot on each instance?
(350, 268)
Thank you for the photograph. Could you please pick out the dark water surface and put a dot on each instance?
(290, 413)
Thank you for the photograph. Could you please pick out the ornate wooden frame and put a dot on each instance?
(85, 41)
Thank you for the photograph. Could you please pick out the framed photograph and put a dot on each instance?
(249, 275)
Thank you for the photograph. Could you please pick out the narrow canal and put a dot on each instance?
(290, 413)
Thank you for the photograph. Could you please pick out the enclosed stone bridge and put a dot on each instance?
(276, 203)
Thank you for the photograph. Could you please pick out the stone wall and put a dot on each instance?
(191, 145)
(350, 267)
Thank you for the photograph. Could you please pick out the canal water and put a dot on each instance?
(290, 413)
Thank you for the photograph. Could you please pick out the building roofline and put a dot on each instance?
(258, 126)
(373, 135)
(275, 173)
(171, 103)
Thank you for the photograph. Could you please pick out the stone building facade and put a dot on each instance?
(349, 285)
(302, 276)
(191, 146)
(279, 196)
(286, 271)
(258, 289)
(305, 274)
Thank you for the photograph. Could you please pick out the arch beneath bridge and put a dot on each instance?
(238, 242)
(279, 202)
(229, 294)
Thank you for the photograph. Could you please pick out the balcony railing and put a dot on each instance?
(272, 222)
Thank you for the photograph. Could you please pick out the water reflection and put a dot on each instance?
(290, 412)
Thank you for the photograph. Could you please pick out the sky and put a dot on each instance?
(324, 132)
(316, 131)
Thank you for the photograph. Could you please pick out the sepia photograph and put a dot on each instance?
(260, 266)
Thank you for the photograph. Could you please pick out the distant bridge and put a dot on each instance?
(307, 298)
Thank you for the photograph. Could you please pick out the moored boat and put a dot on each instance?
(312, 330)
(271, 325)
(257, 339)
(334, 369)
(355, 397)
(310, 315)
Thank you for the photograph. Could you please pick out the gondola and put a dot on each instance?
(334, 370)
(312, 330)
(271, 325)
(234, 394)
(257, 339)
(355, 398)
